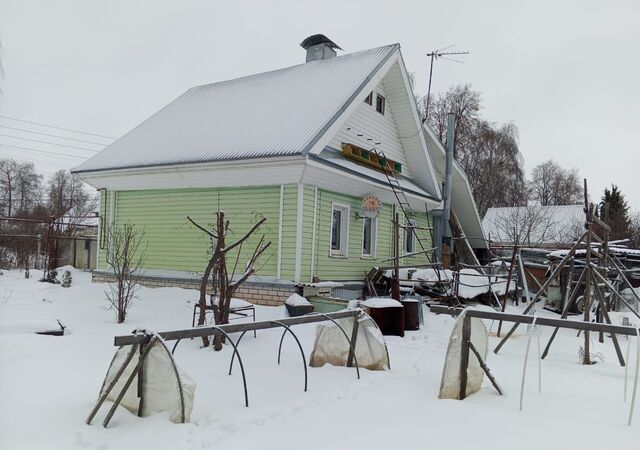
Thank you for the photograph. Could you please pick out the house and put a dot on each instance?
(294, 146)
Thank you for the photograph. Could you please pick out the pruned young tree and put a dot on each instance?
(225, 282)
(125, 257)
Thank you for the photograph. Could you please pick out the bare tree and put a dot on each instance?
(125, 257)
(634, 230)
(68, 197)
(225, 282)
(533, 226)
(552, 185)
(488, 153)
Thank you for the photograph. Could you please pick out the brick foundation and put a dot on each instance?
(256, 293)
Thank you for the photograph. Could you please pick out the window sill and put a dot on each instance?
(338, 256)
(368, 257)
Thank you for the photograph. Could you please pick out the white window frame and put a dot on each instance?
(409, 232)
(374, 237)
(384, 103)
(343, 252)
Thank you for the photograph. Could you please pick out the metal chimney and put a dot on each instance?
(318, 47)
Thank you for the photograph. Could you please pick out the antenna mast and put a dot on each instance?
(435, 54)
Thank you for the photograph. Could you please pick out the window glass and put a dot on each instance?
(368, 237)
(380, 103)
(335, 229)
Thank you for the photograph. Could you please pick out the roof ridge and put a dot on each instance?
(282, 69)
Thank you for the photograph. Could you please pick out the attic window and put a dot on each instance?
(380, 103)
(369, 99)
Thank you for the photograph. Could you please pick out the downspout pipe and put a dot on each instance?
(445, 228)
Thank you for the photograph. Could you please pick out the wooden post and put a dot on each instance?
(485, 368)
(107, 391)
(354, 341)
(464, 355)
(395, 281)
(141, 384)
(586, 358)
(506, 289)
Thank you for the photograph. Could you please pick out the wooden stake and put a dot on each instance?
(103, 396)
(485, 368)
(464, 355)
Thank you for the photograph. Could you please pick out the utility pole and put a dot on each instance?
(435, 54)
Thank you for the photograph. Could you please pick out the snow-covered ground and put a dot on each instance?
(49, 384)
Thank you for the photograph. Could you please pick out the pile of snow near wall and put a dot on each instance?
(162, 384)
(450, 383)
(331, 345)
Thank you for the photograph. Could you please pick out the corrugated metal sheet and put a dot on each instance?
(269, 114)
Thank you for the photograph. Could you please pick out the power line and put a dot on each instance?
(56, 127)
(42, 151)
(47, 163)
(51, 135)
(49, 143)
(60, 164)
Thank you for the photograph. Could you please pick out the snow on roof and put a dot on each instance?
(534, 224)
(278, 113)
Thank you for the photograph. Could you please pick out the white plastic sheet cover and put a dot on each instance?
(331, 346)
(160, 384)
(450, 383)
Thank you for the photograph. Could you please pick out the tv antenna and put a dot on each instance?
(434, 55)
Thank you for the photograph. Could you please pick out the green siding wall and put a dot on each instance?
(175, 244)
(354, 267)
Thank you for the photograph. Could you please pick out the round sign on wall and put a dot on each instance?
(371, 206)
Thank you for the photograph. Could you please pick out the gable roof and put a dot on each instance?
(278, 113)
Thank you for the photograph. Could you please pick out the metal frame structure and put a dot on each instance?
(144, 341)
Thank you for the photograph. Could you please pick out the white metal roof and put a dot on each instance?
(462, 201)
(275, 113)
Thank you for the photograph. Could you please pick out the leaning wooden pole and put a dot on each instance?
(542, 290)
(506, 290)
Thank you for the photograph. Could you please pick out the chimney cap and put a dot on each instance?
(318, 39)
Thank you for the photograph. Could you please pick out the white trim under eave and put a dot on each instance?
(279, 265)
(299, 220)
(252, 171)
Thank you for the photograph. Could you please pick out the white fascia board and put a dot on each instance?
(336, 180)
(418, 126)
(462, 190)
(255, 172)
(376, 78)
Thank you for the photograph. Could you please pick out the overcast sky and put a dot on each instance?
(565, 72)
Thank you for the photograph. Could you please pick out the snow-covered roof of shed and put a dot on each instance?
(278, 113)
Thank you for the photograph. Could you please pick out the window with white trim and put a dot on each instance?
(409, 237)
(369, 99)
(380, 103)
(369, 228)
(339, 230)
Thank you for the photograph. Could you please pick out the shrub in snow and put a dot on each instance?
(66, 279)
(165, 387)
(332, 347)
(450, 382)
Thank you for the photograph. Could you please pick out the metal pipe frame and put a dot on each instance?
(544, 321)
